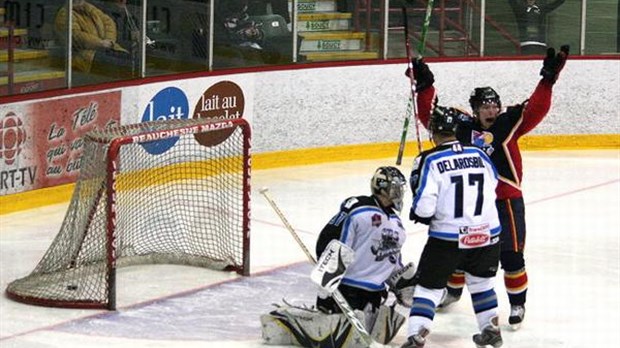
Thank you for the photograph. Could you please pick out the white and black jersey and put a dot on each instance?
(374, 233)
(454, 192)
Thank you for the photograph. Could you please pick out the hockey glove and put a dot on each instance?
(553, 64)
(415, 218)
(422, 75)
(401, 282)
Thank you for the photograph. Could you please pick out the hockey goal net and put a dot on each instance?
(175, 192)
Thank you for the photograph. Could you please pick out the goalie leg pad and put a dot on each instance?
(290, 325)
(387, 324)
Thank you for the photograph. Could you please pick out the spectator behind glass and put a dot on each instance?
(128, 32)
(94, 36)
(282, 42)
(279, 7)
(127, 29)
(530, 17)
(238, 41)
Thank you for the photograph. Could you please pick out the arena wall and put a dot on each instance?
(299, 116)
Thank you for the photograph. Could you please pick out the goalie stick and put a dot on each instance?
(336, 295)
(411, 105)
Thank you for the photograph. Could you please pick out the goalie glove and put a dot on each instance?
(553, 64)
(422, 75)
(402, 283)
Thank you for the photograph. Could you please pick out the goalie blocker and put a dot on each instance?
(329, 269)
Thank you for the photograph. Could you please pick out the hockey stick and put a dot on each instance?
(336, 295)
(411, 105)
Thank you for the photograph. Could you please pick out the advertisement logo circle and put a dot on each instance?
(168, 104)
(12, 137)
(222, 101)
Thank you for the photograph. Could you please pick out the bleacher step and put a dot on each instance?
(323, 16)
(331, 35)
(339, 55)
(32, 81)
(331, 41)
(18, 37)
(305, 6)
(23, 54)
(323, 21)
(4, 32)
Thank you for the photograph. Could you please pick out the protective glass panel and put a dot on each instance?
(178, 36)
(252, 33)
(602, 27)
(340, 30)
(32, 57)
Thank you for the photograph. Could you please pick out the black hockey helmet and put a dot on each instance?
(444, 120)
(483, 95)
(390, 183)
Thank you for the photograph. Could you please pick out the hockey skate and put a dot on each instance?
(448, 299)
(517, 313)
(418, 340)
(490, 335)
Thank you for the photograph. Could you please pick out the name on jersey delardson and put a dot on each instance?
(460, 163)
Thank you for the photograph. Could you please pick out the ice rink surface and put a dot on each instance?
(572, 254)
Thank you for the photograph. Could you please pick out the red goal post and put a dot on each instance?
(174, 192)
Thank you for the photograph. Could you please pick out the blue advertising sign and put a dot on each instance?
(169, 103)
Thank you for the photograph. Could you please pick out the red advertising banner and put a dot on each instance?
(41, 142)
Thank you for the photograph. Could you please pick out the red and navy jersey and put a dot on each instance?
(500, 141)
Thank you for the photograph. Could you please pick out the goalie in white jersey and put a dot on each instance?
(371, 227)
(453, 188)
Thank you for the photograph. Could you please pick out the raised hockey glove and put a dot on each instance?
(554, 63)
(401, 282)
(422, 75)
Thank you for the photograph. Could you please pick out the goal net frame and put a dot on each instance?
(59, 285)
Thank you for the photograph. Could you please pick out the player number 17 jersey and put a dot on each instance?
(454, 185)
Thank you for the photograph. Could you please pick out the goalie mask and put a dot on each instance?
(390, 183)
(483, 95)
